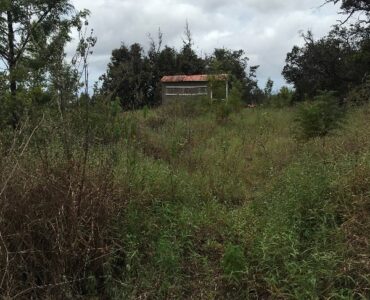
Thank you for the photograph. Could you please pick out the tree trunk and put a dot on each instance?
(12, 66)
(11, 54)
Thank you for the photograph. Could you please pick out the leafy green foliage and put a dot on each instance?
(188, 61)
(236, 96)
(223, 110)
(224, 107)
(166, 203)
(337, 62)
(360, 95)
(319, 117)
(268, 88)
(282, 99)
(235, 63)
(297, 224)
(134, 76)
(36, 33)
(127, 77)
(177, 205)
(32, 41)
(319, 65)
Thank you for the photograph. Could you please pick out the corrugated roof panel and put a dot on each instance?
(190, 78)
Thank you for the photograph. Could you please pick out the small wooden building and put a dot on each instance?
(185, 86)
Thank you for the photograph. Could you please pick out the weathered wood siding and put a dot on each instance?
(184, 90)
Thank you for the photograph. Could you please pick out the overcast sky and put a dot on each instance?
(265, 29)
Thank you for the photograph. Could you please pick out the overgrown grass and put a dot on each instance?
(177, 202)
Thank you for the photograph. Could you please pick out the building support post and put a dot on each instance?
(227, 90)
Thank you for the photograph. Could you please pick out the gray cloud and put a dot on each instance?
(265, 29)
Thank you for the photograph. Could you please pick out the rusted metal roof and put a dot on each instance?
(190, 78)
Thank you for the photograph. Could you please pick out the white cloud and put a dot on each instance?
(265, 29)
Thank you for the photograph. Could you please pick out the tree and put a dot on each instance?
(134, 76)
(235, 63)
(337, 62)
(232, 62)
(32, 34)
(320, 117)
(358, 8)
(162, 62)
(188, 61)
(154, 58)
(167, 61)
(326, 64)
(33, 27)
(128, 77)
(268, 88)
(351, 7)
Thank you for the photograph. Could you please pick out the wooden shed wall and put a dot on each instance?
(169, 90)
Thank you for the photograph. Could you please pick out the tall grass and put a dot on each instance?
(177, 202)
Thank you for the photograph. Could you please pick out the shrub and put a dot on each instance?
(223, 110)
(319, 117)
(185, 107)
(282, 99)
(360, 94)
(235, 97)
(56, 213)
(295, 248)
(55, 227)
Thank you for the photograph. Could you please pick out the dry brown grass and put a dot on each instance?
(55, 227)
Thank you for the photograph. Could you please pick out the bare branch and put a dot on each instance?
(4, 54)
(21, 154)
(348, 17)
(6, 260)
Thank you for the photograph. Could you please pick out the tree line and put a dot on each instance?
(133, 75)
(35, 72)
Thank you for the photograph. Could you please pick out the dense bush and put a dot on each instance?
(360, 94)
(176, 205)
(283, 98)
(320, 117)
(58, 205)
(297, 225)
